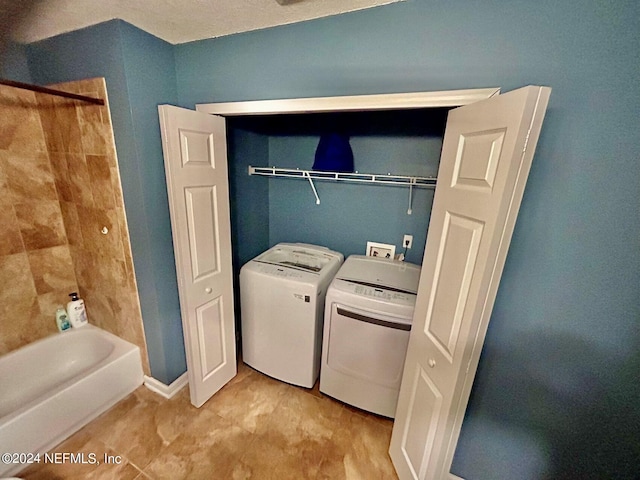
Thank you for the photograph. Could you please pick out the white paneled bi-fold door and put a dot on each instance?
(487, 151)
(195, 154)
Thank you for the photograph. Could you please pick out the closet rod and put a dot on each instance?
(371, 178)
(50, 91)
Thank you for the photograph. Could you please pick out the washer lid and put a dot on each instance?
(381, 272)
(301, 256)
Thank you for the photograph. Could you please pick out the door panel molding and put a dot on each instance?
(202, 221)
(419, 432)
(211, 337)
(456, 262)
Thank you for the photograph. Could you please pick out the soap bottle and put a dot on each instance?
(77, 312)
(62, 320)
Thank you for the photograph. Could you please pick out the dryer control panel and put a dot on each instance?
(376, 292)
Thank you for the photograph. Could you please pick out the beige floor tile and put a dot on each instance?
(274, 456)
(209, 448)
(254, 428)
(137, 433)
(89, 462)
(360, 447)
(301, 415)
(379, 419)
(249, 401)
(104, 422)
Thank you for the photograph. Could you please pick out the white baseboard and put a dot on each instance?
(167, 391)
(454, 477)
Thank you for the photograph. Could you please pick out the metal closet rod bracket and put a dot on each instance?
(370, 178)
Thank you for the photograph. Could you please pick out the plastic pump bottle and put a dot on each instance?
(77, 312)
(62, 320)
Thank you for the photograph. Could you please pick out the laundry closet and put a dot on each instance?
(269, 210)
(487, 150)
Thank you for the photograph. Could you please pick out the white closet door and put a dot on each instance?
(486, 155)
(195, 156)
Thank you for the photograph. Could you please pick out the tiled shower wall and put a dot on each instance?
(36, 271)
(59, 191)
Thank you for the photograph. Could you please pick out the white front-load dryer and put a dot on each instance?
(282, 293)
(368, 315)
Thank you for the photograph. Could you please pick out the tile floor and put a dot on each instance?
(254, 427)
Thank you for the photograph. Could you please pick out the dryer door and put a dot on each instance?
(368, 345)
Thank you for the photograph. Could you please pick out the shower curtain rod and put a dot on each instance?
(50, 91)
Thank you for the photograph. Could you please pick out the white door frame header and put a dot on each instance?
(357, 103)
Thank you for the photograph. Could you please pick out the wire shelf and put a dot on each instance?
(356, 177)
(372, 178)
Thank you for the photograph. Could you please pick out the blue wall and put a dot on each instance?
(13, 63)
(150, 68)
(249, 199)
(563, 338)
(139, 72)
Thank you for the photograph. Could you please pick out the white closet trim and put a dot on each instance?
(385, 101)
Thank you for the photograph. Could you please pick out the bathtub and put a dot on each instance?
(51, 388)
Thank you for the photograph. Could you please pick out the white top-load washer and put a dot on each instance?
(282, 293)
(368, 316)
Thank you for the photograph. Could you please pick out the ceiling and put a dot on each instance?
(178, 21)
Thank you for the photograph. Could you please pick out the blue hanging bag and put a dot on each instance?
(334, 154)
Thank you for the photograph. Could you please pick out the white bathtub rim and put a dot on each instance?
(121, 348)
(115, 377)
(98, 410)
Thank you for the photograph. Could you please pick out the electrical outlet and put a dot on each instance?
(407, 241)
